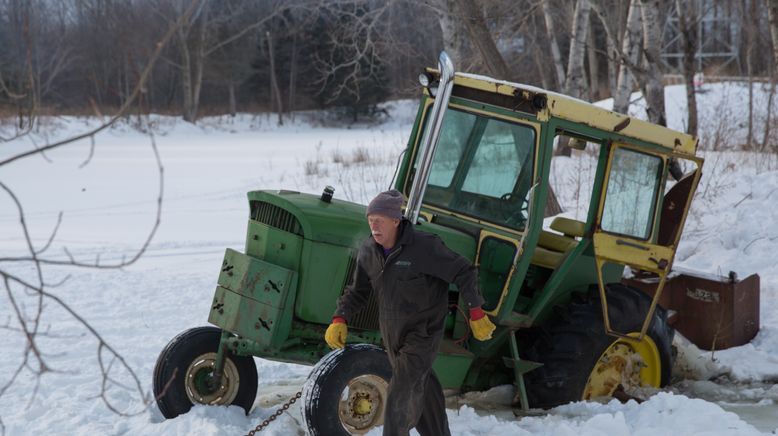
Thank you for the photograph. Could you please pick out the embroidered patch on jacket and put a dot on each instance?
(405, 263)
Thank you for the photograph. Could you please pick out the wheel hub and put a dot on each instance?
(199, 381)
(626, 363)
(362, 403)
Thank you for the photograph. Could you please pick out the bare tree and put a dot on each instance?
(482, 38)
(772, 16)
(575, 84)
(351, 62)
(575, 80)
(276, 90)
(653, 88)
(556, 56)
(455, 34)
(628, 57)
(687, 22)
(30, 321)
(198, 38)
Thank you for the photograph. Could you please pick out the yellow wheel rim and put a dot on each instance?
(362, 403)
(625, 362)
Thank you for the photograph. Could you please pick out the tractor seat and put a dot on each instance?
(569, 227)
(553, 247)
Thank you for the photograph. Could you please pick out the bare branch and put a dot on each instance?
(52, 236)
(91, 152)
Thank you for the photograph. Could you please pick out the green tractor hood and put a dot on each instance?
(337, 222)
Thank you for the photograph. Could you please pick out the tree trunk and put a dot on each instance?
(555, 54)
(233, 102)
(455, 36)
(199, 63)
(273, 81)
(576, 80)
(769, 115)
(292, 77)
(540, 64)
(772, 16)
(613, 65)
(186, 77)
(479, 34)
(751, 44)
(686, 16)
(629, 57)
(652, 39)
(594, 67)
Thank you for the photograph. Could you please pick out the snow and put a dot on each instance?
(109, 206)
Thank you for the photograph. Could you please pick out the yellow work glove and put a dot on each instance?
(336, 333)
(480, 324)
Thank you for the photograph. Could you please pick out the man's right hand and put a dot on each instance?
(336, 333)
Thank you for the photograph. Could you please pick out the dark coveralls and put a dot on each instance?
(411, 285)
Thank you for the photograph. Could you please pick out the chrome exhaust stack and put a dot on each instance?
(430, 138)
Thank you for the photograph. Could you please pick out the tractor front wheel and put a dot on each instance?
(346, 392)
(581, 362)
(183, 375)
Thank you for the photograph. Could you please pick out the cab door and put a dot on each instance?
(628, 228)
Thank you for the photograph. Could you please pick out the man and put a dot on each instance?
(410, 272)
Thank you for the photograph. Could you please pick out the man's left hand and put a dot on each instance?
(480, 324)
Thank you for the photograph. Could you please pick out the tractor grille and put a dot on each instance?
(275, 216)
(367, 318)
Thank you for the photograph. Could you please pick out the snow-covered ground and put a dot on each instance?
(109, 206)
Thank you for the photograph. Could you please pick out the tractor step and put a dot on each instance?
(523, 366)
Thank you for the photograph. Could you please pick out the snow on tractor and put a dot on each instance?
(476, 173)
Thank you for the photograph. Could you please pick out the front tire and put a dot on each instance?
(183, 368)
(346, 392)
(581, 362)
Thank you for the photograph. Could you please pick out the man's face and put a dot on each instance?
(383, 229)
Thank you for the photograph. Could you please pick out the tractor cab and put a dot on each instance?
(481, 163)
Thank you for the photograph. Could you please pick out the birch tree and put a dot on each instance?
(455, 35)
(653, 89)
(556, 56)
(628, 58)
(575, 84)
(687, 21)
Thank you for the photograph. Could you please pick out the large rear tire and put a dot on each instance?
(181, 375)
(581, 362)
(346, 392)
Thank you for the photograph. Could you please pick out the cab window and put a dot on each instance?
(482, 168)
(630, 198)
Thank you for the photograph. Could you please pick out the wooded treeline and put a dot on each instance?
(85, 56)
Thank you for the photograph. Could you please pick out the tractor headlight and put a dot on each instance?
(425, 79)
(428, 81)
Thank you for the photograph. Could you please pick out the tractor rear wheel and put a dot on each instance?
(346, 392)
(581, 362)
(183, 374)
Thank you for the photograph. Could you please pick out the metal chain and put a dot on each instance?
(275, 415)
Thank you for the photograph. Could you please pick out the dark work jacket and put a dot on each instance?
(412, 280)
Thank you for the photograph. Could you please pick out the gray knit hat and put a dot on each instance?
(388, 203)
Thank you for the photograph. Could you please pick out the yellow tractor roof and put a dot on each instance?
(579, 111)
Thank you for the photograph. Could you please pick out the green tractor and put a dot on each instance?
(475, 172)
